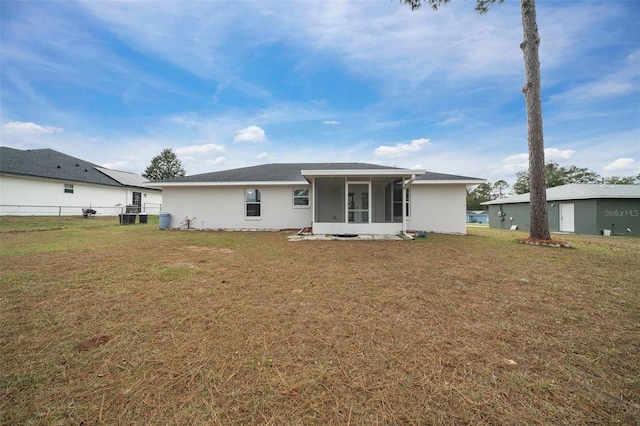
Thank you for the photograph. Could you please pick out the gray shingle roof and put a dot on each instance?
(50, 164)
(443, 176)
(275, 172)
(577, 191)
(291, 172)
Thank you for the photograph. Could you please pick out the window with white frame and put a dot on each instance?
(397, 201)
(253, 201)
(68, 188)
(301, 197)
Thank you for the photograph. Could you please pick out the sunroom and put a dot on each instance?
(354, 202)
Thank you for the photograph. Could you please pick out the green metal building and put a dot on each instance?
(587, 209)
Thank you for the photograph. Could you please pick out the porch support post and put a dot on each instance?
(370, 203)
(405, 184)
(404, 207)
(313, 202)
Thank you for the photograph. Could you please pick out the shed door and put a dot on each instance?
(566, 218)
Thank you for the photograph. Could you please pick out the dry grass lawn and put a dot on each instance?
(131, 325)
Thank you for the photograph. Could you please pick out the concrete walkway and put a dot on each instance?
(336, 238)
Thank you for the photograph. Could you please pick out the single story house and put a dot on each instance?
(477, 216)
(581, 208)
(44, 182)
(327, 198)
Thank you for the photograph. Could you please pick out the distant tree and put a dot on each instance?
(533, 100)
(498, 189)
(478, 195)
(582, 175)
(623, 180)
(164, 166)
(557, 175)
(522, 183)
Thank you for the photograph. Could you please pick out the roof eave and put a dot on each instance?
(558, 199)
(363, 173)
(239, 183)
(467, 182)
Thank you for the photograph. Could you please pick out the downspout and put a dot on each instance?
(405, 185)
(313, 202)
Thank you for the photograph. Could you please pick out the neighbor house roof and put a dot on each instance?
(295, 172)
(577, 191)
(50, 164)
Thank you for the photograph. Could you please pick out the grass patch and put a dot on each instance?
(128, 324)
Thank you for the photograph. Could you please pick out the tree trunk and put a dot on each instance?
(532, 95)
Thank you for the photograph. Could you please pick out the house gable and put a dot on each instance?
(54, 165)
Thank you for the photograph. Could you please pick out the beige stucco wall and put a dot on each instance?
(223, 207)
(434, 208)
(438, 208)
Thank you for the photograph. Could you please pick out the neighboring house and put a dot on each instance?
(477, 216)
(328, 198)
(581, 208)
(44, 182)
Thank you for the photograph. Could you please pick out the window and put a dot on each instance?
(68, 189)
(301, 197)
(252, 198)
(397, 200)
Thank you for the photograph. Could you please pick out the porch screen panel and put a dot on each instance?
(381, 200)
(329, 200)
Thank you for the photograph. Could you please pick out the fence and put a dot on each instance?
(34, 217)
(35, 210)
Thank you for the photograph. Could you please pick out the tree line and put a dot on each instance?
(555, 175)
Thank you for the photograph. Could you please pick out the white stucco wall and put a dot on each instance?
(38, 197)
(434, 208)
(438, 208)
(223, 207)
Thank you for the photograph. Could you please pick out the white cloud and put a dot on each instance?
(609, 87)
(216, 161)
(116, 165)
(516, 158)
(199, 149)
(262, 155)
(623, 164)
(550, 154)
(514, 164)
(33, 128)
(558, 154)
(401, 149)
(331, 122)
(252, 134)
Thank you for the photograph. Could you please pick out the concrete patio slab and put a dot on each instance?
(337, 238)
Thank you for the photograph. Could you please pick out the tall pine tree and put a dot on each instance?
(532, 95)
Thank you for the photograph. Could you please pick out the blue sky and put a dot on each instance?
(230, 84)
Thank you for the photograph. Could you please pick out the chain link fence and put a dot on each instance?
(34, 217)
